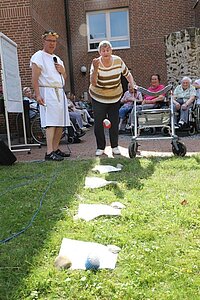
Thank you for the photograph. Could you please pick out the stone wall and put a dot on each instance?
(183, 54)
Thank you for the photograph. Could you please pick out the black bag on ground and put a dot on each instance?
(6, 156)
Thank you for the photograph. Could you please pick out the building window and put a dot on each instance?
(111, 25)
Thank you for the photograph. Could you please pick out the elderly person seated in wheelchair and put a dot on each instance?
(183, 98)
(128, 102)
(33, 105)
(150, 102)
(196, 84)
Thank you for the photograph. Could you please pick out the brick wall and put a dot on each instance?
(24, 21)
(197, 14)
(50, 14)
(149, 20)
(16, 24)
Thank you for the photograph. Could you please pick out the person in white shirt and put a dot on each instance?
(183, 98)
(32, 102)
(48, 79)
(196, 84)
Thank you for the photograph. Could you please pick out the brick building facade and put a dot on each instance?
(150, 21)
(24, 21)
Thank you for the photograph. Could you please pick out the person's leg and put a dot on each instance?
(148, 106)
(78, 118)
(100, 110)
(175, 113)
(185, 114)
(57, 137)
(89, 118)
(120, 123)
(56, 142)
(122, 115)
(50, 131)
(180, 101)
(52, 141)
(128, 113)
(83, 115)
(123, 111)
(113, 116)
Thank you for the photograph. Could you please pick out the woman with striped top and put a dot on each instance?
(106, 91)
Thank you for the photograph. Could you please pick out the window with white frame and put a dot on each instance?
(111, 25)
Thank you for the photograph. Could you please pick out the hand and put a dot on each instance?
(178, 106)
(40, 101)
(184, 106)
(96, 62)
(60, 69)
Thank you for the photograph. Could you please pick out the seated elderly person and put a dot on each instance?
(85, 104)
(87, 119)
(33, 105)
(196, 84)
(75, 115)
(183, 98)
(150, 102)
(128, 101)
(155, 86)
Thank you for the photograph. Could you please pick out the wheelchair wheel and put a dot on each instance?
(70, 140)
(165, 131)
(181, 151)
(192, 130)
(132, 149)
(197, 120)
(37, 132)
(63, 133)
(150, 130)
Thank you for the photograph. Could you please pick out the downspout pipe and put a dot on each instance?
(69, 45)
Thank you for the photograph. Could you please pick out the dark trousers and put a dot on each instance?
(106, 111)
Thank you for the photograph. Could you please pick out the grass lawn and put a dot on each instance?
(159, 235)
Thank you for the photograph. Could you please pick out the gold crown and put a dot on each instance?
(50, 32)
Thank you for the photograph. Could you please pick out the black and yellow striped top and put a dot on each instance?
(109, 88)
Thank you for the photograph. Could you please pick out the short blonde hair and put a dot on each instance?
(104, 44)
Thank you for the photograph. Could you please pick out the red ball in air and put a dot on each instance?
(106, 123)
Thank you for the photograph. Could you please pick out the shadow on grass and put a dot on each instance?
(135, 171)
(22, 188)
(19, 204)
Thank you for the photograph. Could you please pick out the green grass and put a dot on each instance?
(159, 237)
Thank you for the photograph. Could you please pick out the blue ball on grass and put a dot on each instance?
(92, 262)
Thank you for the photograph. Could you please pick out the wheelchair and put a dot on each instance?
(156, 118)
(197, 117)
(193, 125)
(70, 133)
(37, 132)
